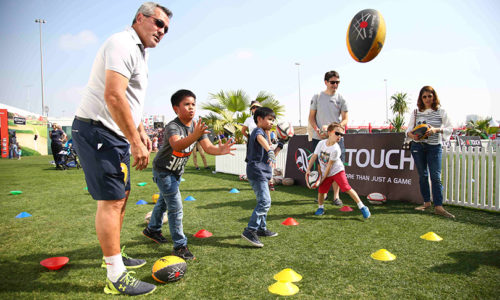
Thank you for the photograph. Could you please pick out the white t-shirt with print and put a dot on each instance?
(326, 153)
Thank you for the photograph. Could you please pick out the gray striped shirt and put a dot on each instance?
(436, 118)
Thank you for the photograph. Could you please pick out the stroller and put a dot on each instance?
(69, 157)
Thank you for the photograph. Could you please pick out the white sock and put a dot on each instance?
(360, 205)
(114, 266)
(321, 206)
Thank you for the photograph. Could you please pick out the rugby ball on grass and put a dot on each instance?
(147, 218)
(287, 181)
(169, 269)
(284, 130)
(376, 198)
(313, 180)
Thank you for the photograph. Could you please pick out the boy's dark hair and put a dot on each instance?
(178, 96)
(331, 74)
(263, 112)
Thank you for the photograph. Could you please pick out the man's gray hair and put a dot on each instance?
(148, 9)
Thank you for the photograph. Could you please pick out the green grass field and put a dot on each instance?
(331, 252)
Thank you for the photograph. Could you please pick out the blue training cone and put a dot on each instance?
(189, 198)
(141, 202)
(234, 191)
(23, 215)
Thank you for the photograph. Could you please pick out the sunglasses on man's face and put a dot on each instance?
(334, 82)
(159, 23)
(339, 133)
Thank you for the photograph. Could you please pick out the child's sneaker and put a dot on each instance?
(271, 187)
(251, 236)
(128, 285)
(155, 236)
(266, 233)
(366, 212)
(337, 202)
(320, 212)
(183, 252)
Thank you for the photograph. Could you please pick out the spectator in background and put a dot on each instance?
(155, 144)
(427, 151)
(13, 147)
(57, 137)
(328, 107)
(198, 148)
(249, 124)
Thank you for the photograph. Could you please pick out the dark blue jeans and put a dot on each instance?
(428, 161)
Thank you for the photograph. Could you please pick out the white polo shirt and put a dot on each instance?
(123, 53)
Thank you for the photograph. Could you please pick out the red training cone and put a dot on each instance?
(346, 208)
(290, 222)
(203, 234)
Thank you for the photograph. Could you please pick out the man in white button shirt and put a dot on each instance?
(107, 128)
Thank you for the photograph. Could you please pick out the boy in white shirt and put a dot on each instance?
(332, 169)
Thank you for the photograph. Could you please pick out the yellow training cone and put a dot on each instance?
(431, 236)
(288, 275)
(283, 288)
(383, 255)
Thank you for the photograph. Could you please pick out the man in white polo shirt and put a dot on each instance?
(107, 128)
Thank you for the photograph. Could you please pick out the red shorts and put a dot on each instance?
(339, 178)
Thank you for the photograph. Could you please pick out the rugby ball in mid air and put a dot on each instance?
(376, 198)
(420, 130)
(284, 130)
(169, 269)
(366, 35)
(313, 179)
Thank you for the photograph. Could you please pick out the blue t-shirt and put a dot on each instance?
(257, 166)
(56, 136)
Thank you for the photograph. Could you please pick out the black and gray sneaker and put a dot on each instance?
(155, 236)
(266, 233)
(251, 236)
(184, 253)
(128, 285)
(337, 202)
(130, 263)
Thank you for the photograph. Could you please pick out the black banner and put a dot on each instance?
(375, 163)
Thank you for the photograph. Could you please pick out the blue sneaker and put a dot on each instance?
(320, 212)
(366, 212)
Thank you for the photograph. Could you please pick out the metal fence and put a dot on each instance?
(471, 176)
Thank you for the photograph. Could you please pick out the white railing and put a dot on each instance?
(236, 164)
(471, 177)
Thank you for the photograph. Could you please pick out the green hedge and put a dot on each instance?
(29, 152)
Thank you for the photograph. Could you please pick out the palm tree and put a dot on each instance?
(400, 103)
(230, 110)
(478, 128)
(399, 107)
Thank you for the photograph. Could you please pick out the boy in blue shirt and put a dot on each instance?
(260, 160)
(181, 135)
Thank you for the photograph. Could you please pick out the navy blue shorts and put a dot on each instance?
(105, 159)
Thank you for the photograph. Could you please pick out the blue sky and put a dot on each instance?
(253, 45)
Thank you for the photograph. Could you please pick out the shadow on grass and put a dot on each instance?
(219, 241)
(468, 262)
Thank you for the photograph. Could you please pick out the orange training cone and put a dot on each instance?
(203, 234)
(345, 208)
(290, 222)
